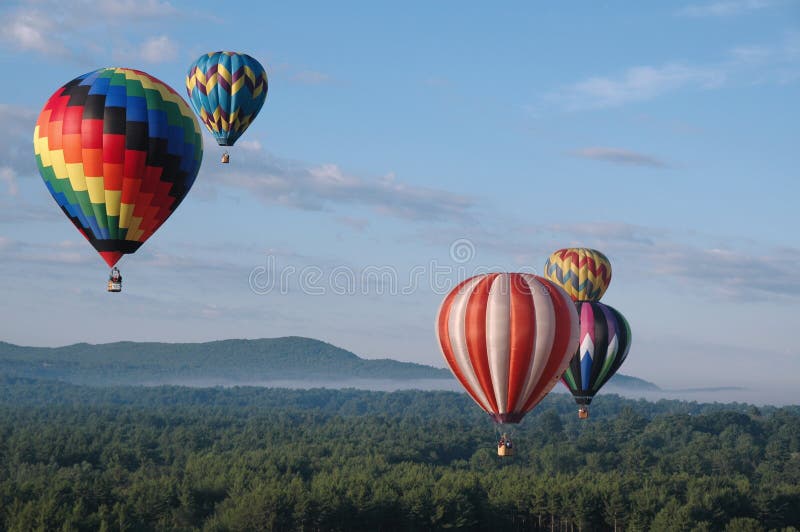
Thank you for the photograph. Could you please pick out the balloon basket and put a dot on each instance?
(114, 287)
(502, 450)
(505, 446)
(583, 413)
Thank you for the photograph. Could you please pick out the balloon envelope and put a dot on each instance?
(507, 338)
(584, 273)
(605, 338)
(118, 150)
(226, 90)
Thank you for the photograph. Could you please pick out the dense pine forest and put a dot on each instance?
(170, 458)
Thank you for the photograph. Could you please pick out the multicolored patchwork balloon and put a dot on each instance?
(118, 150)
(605, 338)
(226, 90)
(507, 338)
(584, 273)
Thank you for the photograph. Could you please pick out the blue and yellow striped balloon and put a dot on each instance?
(226, 90)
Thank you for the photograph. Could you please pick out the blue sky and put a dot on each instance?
(427, 141)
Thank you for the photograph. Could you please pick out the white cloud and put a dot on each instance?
(32, 30)
(16, 148)
(619, 156)
(136, 8)
(58, 253)
(249, 145)
(327, 187)
(704, 265)
(784, 52)
(751, 54)
(84, 29)
(725, 8)
(9, 176)
(359, 224)
(601, 233)
(743, 64)
(723, 270)
(159, 49)
(310, 77)
(635, 84)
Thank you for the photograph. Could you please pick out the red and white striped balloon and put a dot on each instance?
(507, 338)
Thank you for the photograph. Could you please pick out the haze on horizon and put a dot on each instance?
(407, 148)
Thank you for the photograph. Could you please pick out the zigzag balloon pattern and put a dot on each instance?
(584, 273)
(605, 336)
(226, 90)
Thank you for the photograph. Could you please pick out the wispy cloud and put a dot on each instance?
(16, 149)
(606, 233)
(17, 164)
(8, 176)
(32, 30)
(310, 77)
(249, 145)
(734, 274)
(57, 253)
(773, 63)
(194, 262)
(620, 156)
(725, 8)
(736, 271)
(708, 266)
(135, 8)
(82, 29)
(159, 49)
(156, 49)
(359, 224)
(328, 187)
(743, 64)
(635, 84)
(14, 210)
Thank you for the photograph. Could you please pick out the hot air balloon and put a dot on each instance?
(226, 90)
(584, 273)
(118, 150)
(605, 338)
(507, 338)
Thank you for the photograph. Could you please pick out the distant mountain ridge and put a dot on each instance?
(228, 362)
(627, 382)
(286, 358)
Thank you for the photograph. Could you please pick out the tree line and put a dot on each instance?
(171, 458)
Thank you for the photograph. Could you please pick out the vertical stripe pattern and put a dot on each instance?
(507, 338)
(605, 338)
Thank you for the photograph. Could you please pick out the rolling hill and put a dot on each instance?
(222, 362)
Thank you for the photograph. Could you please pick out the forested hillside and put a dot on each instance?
(169, 458)
(233, 360)
(223, 362)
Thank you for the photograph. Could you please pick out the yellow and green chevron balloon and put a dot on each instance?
(226, 90)
(584, 273)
